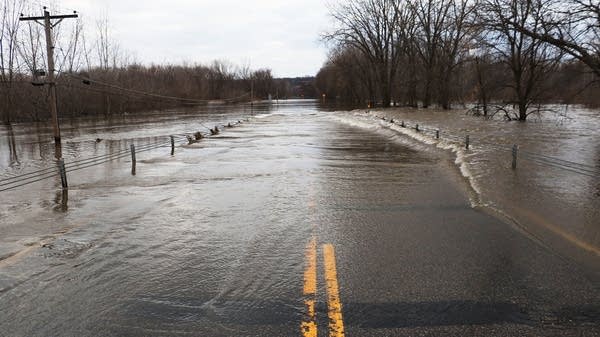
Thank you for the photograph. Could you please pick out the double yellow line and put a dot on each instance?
(334, 304)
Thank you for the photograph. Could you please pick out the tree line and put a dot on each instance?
(506, 56)
(96, 76)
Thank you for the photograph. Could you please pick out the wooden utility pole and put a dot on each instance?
(46, 21)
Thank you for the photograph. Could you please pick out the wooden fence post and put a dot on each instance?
(133, 161)
(63, 174)
(515, 152)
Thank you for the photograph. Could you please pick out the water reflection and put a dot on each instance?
(212, 239)
(12, 146)
(61, 200)
(29, 145)
(57, 150)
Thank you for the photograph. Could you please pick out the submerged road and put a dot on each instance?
(293, 224)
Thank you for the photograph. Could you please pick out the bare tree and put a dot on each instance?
(370, 26)
(347, 75)
(572, 26)
(409, 57)
(529, 59)
(453, 46)
(104, 44)
(31, 48)
(108, 53)
(9, 27)
(442, 33)
(431, 16)
(71, 55)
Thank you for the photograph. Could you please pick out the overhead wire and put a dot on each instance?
(145, 93)
(30, 177)
(27, 174)
(115, 154)
(566, 162)
(124, 155)
(562, 167)
(20, 177)
(30, 180)
(42, 174)
(24, 179)
(27, 183)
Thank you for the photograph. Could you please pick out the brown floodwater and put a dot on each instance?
(553, 194)
(212, 240)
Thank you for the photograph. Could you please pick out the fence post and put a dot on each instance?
(515, 152)
(64, 200)
(132, 147)
(172, 146)
(403, 125)
(437, 134)
(417, 127)
(467, 141)
(63, 174)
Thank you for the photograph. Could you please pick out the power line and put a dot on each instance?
(564, 161)
(27, 183)
(124, 155)
(565, 168)
(145, 93)
(43, 174)
(25, 179)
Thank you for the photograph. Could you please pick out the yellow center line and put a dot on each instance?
(334, 304)
(309, 324)
(310, 274)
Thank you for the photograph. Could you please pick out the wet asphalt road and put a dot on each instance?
(248, 232)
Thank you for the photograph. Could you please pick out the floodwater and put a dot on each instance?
(213, 239)
(553, 194)
(96, 150)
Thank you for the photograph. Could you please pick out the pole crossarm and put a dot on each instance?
(35, 18)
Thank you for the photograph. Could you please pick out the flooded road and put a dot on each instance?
(555, 191)
(290, 224)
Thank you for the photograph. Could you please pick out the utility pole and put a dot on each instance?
(46, 21)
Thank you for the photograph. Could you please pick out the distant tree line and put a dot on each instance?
(296, 87)
(101, 78)
(135, 88)
(507, 56)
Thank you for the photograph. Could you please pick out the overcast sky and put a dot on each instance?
(279, 34)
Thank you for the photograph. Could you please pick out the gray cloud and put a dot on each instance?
(281, 35)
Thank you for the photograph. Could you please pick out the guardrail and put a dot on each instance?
(517, 153)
